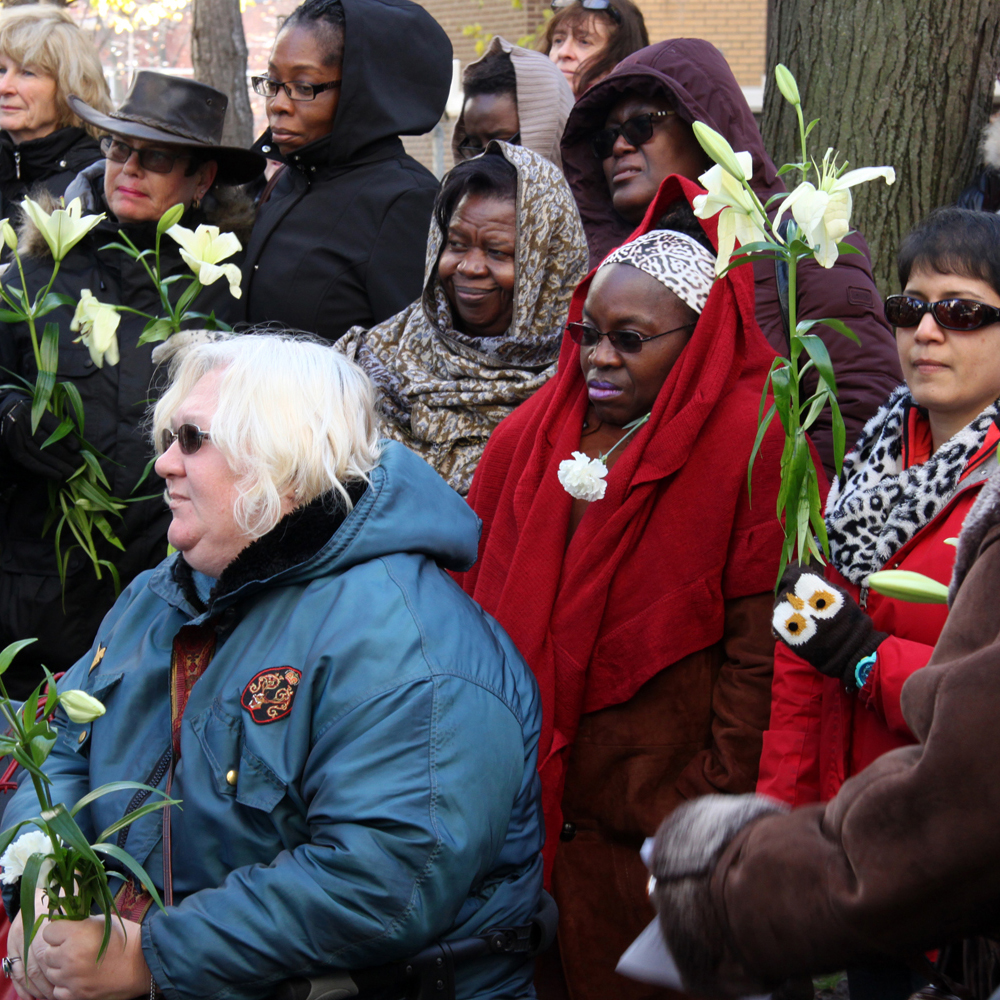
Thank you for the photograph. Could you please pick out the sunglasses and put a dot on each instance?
(604, 5)
(157, 161)
(636, 130)
(469, 148)
(626, 341)
(189, 436)
(267, 87)
(952, 314)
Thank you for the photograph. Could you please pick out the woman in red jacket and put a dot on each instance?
(899, 503)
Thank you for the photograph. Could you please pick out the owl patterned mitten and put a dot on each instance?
(824, 625)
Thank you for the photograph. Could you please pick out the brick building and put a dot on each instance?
(737, 27)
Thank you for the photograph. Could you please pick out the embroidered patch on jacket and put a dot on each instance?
(268, 696)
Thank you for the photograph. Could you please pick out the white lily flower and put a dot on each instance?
(823, 214)
(741, 219)
(80, 706)
(64, 227)
(17, 854)
(202, 250)
(582, 477)
(97, 323)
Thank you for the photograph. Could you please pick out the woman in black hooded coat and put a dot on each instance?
(339, 240)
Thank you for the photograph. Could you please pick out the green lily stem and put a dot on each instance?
(804, 162)
(630, 429)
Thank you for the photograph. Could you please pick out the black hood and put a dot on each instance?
(396, 78)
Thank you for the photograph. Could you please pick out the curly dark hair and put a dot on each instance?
(624, 38)
(493, 74)
(326, 18)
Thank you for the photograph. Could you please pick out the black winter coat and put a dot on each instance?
(52, 161)
(115, 400)
(341, 240)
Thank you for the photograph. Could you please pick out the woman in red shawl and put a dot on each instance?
(645, 614)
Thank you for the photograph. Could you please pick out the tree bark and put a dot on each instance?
(219, 56)
(907, 83)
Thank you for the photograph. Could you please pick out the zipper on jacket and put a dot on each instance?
(17, 163)
(155, 777)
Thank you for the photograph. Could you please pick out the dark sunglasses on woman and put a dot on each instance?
(189, 436)
(604, 5)
(626, 341)
(157, 161)
(637, 130)
(952, 314)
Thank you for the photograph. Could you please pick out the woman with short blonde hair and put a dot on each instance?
(44, 58)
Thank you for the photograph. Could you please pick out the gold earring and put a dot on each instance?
(196, 201)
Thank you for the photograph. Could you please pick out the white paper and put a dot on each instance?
(648, 959)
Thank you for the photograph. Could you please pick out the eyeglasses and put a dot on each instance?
(953, 314)
(469, 148)
(637, 130)
(267, 87)
(626, 341)
(189, 436)
(157, 161)
(604, 5)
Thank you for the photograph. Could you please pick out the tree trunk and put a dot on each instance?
(908, 83)
(219, 55)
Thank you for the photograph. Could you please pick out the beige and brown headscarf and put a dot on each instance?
(443, 392)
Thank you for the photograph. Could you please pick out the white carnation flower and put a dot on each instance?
(582, 477)
(16, 857)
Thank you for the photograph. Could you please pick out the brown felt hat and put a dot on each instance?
(179, 112)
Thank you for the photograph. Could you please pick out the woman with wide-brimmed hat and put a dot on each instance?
(162, 148)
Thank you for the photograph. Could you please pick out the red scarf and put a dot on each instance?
(644, 577)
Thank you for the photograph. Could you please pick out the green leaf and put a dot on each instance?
(76, 401)
(91, 459)
(821, 357)
(811, 126)
(758, 440)
(839, 436)
(841, 327)
(143, 810)
(110, 788)
(818, 402)
(42, 394)
(29, 879)
(170, 217)
(9, 652)
(8, 316)
(848, 248)
(101, 523)
(59, 822)
(66, 427)
(41, 747)
(50, 348)
(187, 296)
(781, 387)
(113, 851)
(767, 388)
(155, 330)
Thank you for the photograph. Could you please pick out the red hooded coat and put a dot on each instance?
(661, 598)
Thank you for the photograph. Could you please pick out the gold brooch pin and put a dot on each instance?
(98, 656)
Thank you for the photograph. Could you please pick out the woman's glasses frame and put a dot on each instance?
(637, 132)
(624, 341)
(190, 437)
(604, 5)
(267, 87)
(961, 315)
(156, 161)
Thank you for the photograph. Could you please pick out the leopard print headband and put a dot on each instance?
(675, 260)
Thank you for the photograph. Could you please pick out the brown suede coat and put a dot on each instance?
(907, 855)
(695, 728)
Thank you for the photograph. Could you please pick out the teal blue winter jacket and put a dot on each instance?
(393, 801)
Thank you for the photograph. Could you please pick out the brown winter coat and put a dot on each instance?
(907, 855)
(695, 728)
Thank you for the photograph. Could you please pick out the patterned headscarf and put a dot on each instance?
(442, 392)
(680, 263)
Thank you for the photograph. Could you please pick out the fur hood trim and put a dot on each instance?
(231, 209)
(984, 515)
(990, 144)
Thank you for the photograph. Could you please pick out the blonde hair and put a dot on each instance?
(47, 38)
(293, 415)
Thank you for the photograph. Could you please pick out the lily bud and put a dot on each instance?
(905, 585)
(80, 706)
(786, 84)
(719, 149)
(9, 236)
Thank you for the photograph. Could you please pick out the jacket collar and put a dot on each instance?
(65, 149)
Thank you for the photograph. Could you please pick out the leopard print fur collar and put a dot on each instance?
(875, 507)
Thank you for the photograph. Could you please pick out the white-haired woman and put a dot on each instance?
(357, 760)
(45, 57)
